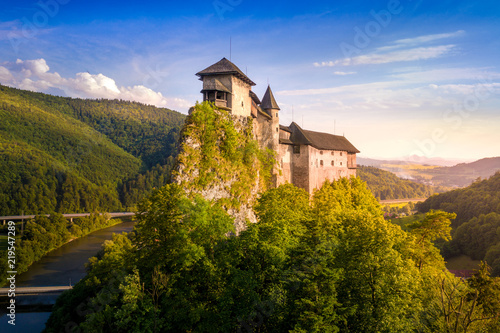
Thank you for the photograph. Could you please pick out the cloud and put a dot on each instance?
(401, 50)
(419, 53)
(343, 73)
(35, 75)
(447, 74)
(410, 42)
(5, 75)
(392, 97)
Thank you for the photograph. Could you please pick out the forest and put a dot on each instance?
(70, 155)
(329, 264)
(476, 229)
(386, 185)
(326, 263)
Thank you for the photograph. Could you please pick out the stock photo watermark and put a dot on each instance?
(363, 36)
(455, 116)
(32, 26)
(11, 277)
(154, 77)
(223, 6)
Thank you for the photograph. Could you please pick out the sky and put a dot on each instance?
(409, 79)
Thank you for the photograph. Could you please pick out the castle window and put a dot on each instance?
(340, 153)
(321, 152)
(321, 162)
(340, 163)
(333, 163)
(296, 149)
(277, 129)
(276, 114)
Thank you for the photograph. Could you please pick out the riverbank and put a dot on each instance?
(62, 266)
(45, 234)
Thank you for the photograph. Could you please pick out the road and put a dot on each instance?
(392, 201)
(68, 216)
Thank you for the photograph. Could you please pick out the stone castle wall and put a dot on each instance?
(300, 161)
(241, 100)
(327, 165)
(285, 154)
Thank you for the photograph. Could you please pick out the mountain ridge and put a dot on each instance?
(456, 176)
(72, 155)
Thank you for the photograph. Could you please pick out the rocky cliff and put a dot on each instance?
(221, 160)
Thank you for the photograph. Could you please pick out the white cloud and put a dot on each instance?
(447, 74)
(5, 75)
(410, 42)
(343, 73)
(419, 53)
(395, 97)
(35, 75)
(407, 49)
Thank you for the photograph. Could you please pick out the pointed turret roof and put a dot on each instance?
(268, 101)
(225, 66)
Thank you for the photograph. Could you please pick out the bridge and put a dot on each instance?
(68, 216)
(35, 290)
(31, 299)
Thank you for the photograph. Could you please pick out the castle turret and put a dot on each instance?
(228, 87)
(270, 107)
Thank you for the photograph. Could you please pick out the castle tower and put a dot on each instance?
(227, 87)
(270, 107)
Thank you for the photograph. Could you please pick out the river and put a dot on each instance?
(61, 267)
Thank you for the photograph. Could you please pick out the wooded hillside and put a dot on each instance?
(73, 155)
(477, 226)
(386, 185)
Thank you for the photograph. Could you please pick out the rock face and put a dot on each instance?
(221, 161)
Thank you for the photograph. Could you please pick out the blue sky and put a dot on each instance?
(398, 78)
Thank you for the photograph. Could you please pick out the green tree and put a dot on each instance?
(378, 286)
(435, 225)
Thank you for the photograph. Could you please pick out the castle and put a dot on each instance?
(305, 158)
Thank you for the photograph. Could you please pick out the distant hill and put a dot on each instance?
(481, 197)
(476, 230)
(459, 175)
(436, 161)
(386, 185)
(464, 174)
(73, 155)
